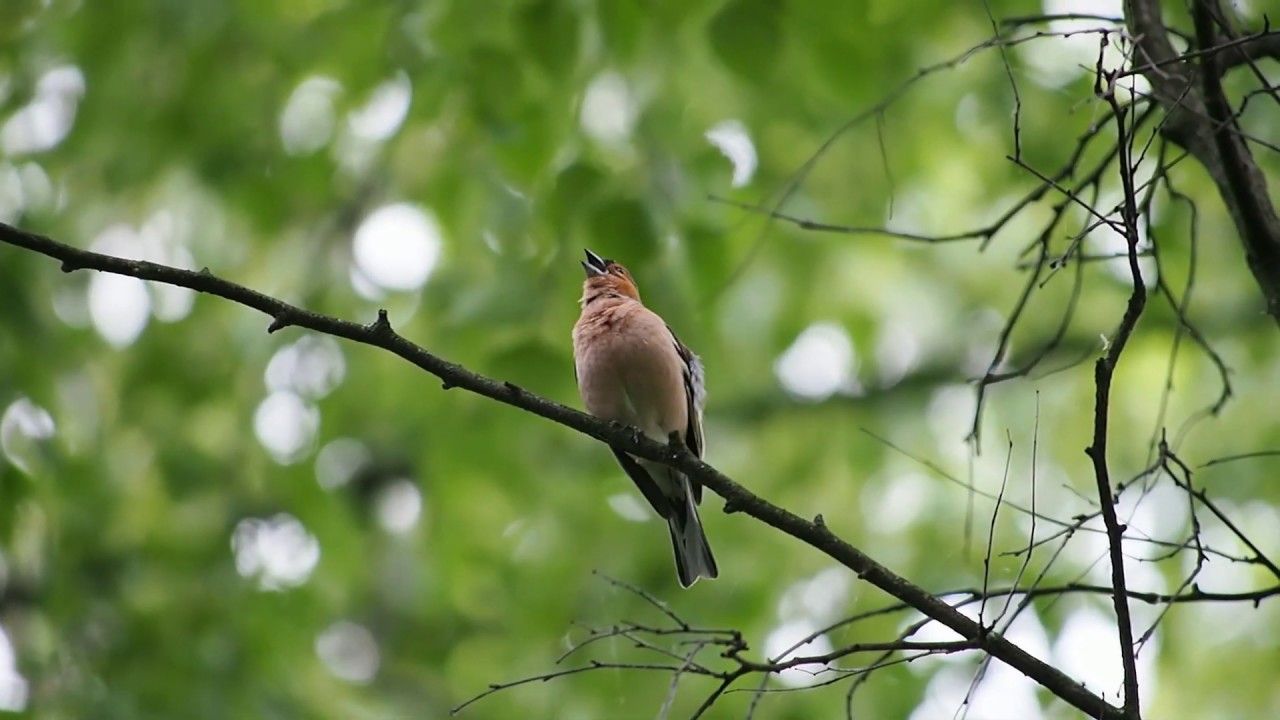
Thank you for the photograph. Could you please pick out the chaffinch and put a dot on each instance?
(632, 369)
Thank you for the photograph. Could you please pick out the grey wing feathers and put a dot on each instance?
(695, 389)
(695, 392)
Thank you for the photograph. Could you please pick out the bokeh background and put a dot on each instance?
(201, 520)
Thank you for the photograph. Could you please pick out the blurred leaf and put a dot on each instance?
(549, 29)
(622, 228)
(745, 36)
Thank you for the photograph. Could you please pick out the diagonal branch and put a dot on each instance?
(1255, 216)
(737, 498)
(1201, 121)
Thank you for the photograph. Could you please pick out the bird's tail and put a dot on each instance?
(693, 553)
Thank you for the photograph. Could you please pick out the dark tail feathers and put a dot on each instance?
(693, 553)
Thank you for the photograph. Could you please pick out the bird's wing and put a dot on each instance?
(695, 393)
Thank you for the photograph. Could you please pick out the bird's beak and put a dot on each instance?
(594, 264)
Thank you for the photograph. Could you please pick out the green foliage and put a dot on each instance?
(256, 138)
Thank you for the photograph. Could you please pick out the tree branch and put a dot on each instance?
(1255, 217)
(1201, 121)
(1104, 372)
(737, 498)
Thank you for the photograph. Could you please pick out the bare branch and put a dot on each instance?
(1257, 221)
(1104, 371)
(1241, 456)
(1201, 121)
(737, 498)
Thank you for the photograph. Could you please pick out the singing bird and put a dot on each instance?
(632, 369)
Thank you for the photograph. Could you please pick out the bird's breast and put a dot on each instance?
(629, 371)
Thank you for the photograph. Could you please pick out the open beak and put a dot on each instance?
(594, 264)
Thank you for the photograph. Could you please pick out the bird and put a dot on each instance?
(631, 368)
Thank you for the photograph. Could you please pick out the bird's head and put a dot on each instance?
(606, 276)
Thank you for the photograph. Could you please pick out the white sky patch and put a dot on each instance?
(24, 189)
(788, 634)
(399, 507)
(818, 364)
(1087, 649)
(950, 413)
(628, 507)
(1054, 62)
(968, 117)
(170, 303)
(385, 111)
(1106, 240)
(307, 121)
(733, 141)
(397, 246)
(363, 286)
(896, 502)
(313, 366)
(159, 240)
(47, 120)
(984, 327)
(79, 430)
(286, 425)
(530, 538)
(818, 599)
(349, 651)
(13, 687)
(71, 304)
(1221, 624)
(609, 109)
(1002, 695)
(37, 189)
(898, 352)
(1026, 631)
(934, 631)
(805, 606)
(1260, 521)
(119, 306)
(339, 461)
(1159, 512)
(23, 427)
(278, 552)
(916, 210)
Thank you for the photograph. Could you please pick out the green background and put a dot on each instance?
(228, 135)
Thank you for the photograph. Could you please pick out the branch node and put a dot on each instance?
(381, 326)
(282, 320)
(68, 266)
(446, 385)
